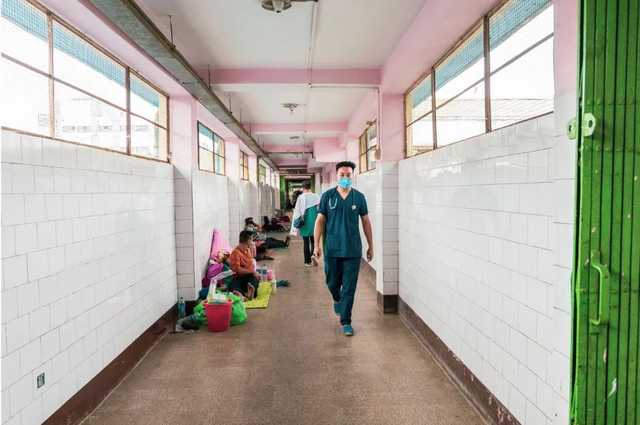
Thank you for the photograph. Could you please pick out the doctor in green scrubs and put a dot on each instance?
(337, 231)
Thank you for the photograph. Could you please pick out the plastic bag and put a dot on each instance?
(199, 313)
(238, 310)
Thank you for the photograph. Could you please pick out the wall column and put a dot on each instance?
(391, 145)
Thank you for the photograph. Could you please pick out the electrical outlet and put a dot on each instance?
(40, 380)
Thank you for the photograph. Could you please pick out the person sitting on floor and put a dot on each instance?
(242, 262)
(257, 235)
(271, 226)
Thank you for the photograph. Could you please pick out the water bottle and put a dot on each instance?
(274, 286)
(182, 308)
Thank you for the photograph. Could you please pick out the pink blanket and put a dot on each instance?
(218, 242)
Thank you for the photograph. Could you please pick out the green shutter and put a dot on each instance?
(607, 261)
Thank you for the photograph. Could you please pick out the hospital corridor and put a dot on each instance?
(322, 212)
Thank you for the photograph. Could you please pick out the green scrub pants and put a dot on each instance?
(342, 278)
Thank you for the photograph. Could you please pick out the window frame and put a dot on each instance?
(215, 138)
(262, 173)
(244, 166)
(363, 143)
(483, 24)
(52, 18)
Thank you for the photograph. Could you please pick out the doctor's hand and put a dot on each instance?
(370, 254)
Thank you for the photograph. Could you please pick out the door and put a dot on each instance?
(607, 261)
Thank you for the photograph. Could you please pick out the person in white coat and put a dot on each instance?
(304, 219)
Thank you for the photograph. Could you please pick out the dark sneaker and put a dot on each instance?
(347, 330)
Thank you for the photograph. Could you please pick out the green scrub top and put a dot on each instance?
(342, 230)
(310, 215)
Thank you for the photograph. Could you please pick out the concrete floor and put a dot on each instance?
(289, 364)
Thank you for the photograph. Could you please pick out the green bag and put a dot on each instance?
(238, 310)
(199, 314)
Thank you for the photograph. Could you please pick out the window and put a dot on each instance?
(521, 57)
(459, 96)
(368, 142)
(501, 73)
(244, 166)
(88, 98)
(210, 150)
(262, 173)
(419, 117)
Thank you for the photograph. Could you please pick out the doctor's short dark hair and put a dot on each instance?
(306, 185)
(349, 164)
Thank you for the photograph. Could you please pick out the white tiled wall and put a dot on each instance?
(386, 230)
(210, 211)
(485, 250)
(367, 183)
(88, 264)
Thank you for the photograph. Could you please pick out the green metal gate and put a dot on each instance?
(607, 262)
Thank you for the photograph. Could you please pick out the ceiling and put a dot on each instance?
(263, 103)
(240, 35)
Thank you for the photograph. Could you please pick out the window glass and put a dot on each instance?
(511, 100)
(363, 163)
(205, 159)
(262, 172)
(218, 146)
(89, 96)
(205, 137)
(85, 119)
(28, 109)
(82, 65)
(418, 100)
(517, 26)
(371, 159)
(461, 69)
(219, 164)
(461, 118)
(27, 28)
(245, 165)
(205, 143)
(148, 139)
(420, 135)
(147, 101)
(372, 136)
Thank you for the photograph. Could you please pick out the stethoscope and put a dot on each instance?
(333, 203)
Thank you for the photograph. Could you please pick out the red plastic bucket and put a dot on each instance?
(218, 316)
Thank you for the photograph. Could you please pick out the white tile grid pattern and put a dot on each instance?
(210, 211)
(88, 264)
(367, 183)
(480, 247)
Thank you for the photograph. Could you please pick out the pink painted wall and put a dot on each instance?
(565, 54)
(328, 150)
(391, 129)
(367, 110)
(435, 29)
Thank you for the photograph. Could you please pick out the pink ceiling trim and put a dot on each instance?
(290, 161)
(318, 127)
(298, 147)
(295, 76)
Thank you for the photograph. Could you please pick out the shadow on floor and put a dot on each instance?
(290, 364)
